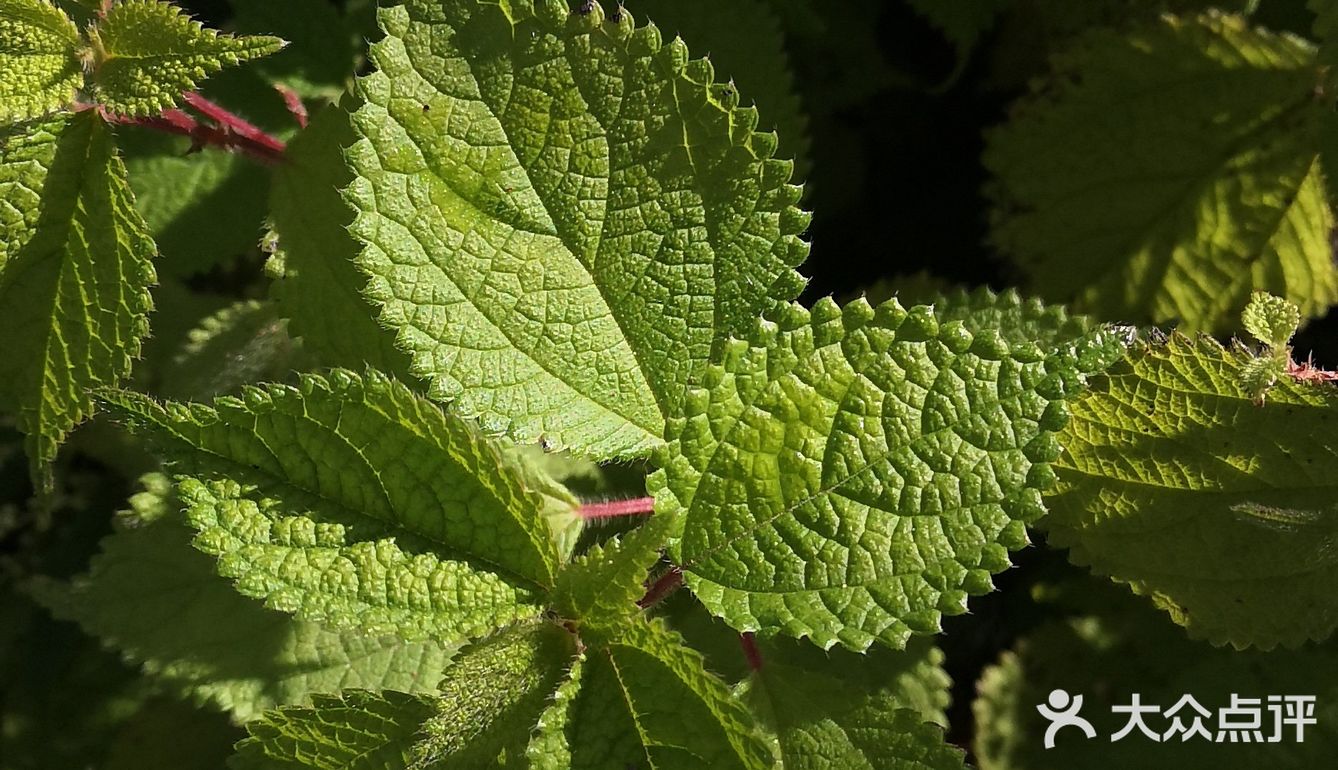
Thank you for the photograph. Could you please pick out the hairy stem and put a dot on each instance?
(661, 588)
(227, 131)
(613, 508)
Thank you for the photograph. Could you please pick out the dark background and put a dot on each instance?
(897, 130)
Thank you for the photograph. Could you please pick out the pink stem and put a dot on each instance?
(173, 121)
(231, 123)
(750, 651)
(665, 585)
(293, 101)
(615, 508)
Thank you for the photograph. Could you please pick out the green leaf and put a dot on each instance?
(148, 52)
(548, 748)
(325, 484)
(756, 62)
(1204, 184)
(344, 439)
(320, 58)
(914, 676)
(169, 733)
(603, 584)
(320, 573)
(157, 601)
(353, 730)
(74, 275)
(851, 474)
(1271, 320)
(315, 281)
(488, 703)
(563, 216)
(491, 698)
(40, 69)
(243, 343)
(646, 700)
(203, 208)
(1326, 30)
(820, 725)
(1088, 346)
(1176, 481)
(1108, 658)
(962, 23)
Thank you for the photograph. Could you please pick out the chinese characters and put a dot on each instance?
(1272, 719)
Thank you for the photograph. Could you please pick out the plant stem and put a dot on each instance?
(233, 124)
(614, 508)
(661, 588)
(293, 101)
(750, 651)
(228, 131)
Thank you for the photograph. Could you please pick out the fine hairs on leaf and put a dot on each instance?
(484, 419)
(594, 213)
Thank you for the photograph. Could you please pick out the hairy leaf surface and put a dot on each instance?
(548, 749)
(850, 475)
(821, 725)
(330, 471)
(149, 52)
(491, 699)
(646, 700)
(746, 45)
(75, 271)
(162, 604)
(355, 730)
(488, 703)
(1176, 481)
(39, 59)
(1161, 174)
(562, 215)
(316, 283)
(243, 343)
(603, 584)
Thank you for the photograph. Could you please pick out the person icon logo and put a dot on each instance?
(1062, 711)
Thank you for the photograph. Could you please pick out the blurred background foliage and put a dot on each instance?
(884, 104)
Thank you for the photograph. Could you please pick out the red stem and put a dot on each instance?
(615, 508)
(230, 133)
(665, 585)
(750, 651)
(293, 101)
(234, 124)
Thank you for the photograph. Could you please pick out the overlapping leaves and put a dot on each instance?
(149, 52)
(483, 711)
(1162, 173)
(39, 59)
(1177, 480)
(851, 474)
(74, 276)
(562, 215)
(162, 604)
(352, 502)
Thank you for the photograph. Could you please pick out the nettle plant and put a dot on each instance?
(550, 467)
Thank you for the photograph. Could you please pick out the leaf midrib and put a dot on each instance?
(441, 550)
(575, 253)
